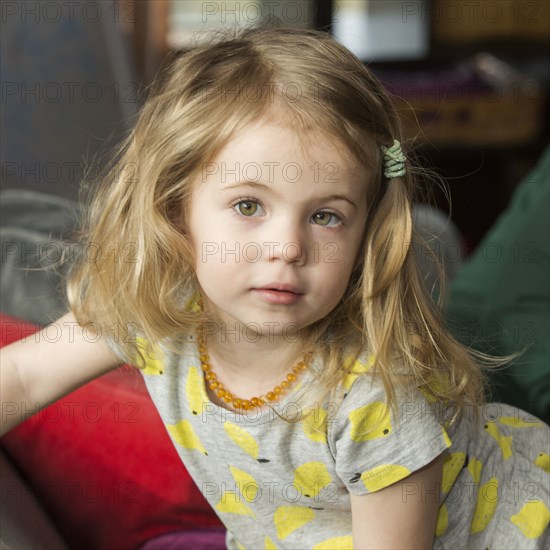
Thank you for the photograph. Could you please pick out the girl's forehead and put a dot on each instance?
(269, 151)
(270, 138)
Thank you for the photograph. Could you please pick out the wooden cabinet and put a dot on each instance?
(465, 21)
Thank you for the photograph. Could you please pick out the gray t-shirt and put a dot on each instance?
(279, 483)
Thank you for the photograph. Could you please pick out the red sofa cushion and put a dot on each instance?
(102, 464)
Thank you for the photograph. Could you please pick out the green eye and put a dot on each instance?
(247, 208)
(325, 218)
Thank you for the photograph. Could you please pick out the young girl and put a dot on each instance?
(250, 250)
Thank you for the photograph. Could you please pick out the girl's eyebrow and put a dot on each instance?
(257, 184)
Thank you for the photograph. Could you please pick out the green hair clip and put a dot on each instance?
(394, 160)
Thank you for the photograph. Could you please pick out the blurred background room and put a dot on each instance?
(471, 79)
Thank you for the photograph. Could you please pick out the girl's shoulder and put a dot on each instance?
(376, 444)
(168, 357)
(362, 401)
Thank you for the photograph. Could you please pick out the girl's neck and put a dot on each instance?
(248, 367)
(245, 356)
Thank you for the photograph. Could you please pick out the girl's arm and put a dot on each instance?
(402, 515)
(45, 366)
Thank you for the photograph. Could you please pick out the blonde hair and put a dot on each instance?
(142, 265)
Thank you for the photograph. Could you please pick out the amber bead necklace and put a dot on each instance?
(254, 402)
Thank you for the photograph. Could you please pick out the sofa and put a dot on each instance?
(95, 470)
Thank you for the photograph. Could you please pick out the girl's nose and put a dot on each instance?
(288, 245)
(290, 252)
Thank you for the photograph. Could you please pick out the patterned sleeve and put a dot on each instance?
(375, 447)
(154, 358)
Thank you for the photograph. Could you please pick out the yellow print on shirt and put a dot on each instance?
(532, 519)
(288, 519)
(195, 392)
(184, 435)
(311, 478)
(370, 422)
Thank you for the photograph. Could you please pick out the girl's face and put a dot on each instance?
(276, 230)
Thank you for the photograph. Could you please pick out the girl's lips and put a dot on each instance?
(284, 287)
(277, 296)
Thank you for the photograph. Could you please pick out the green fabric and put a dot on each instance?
(499, 302)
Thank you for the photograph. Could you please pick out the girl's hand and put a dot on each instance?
(402, 515)
(45, 366)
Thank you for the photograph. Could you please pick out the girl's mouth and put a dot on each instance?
(277, 296)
